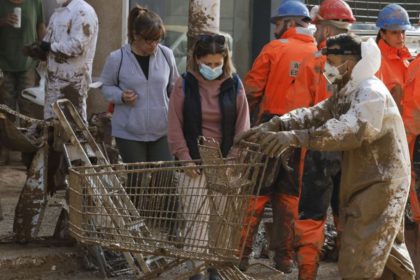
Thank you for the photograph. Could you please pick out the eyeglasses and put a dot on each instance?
(153, 41)
(207, 39)
(148, 41)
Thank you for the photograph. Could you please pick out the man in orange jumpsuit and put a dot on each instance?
(266, 85)
(321, 175)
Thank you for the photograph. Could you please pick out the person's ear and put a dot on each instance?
(291, 23)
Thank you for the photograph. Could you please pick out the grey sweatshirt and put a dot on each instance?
(147, 120)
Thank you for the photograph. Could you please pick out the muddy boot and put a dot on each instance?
(197, 277)
(244, 264)
(284, 264)
(213, 274)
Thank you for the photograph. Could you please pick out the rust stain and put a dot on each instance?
(69, 25)
(86, 30)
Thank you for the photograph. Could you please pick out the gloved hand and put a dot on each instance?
(252, 135)
(36, 50)
(273, 144)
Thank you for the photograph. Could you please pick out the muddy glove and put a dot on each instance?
(275, 143)
(252, 135)
(38, 50)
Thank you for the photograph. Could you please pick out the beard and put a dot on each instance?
(281, 32)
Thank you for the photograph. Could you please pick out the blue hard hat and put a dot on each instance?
(291, 8)
(393, 17)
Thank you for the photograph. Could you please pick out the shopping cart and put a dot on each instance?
(174, 215)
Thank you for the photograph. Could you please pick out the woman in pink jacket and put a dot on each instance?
(208, 100)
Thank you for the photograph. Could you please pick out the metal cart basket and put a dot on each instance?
(157, 209)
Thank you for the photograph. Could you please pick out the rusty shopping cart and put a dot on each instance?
(169, 213)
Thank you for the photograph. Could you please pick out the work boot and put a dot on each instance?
(308, 272)
(198, 276)
(284, 265)
(244, 264)
(213, 274)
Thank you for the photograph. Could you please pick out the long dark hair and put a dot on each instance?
(145, 23)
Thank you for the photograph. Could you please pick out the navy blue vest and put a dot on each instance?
(193, 115)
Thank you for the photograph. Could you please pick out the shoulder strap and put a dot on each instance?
(170, 69)
(236, 81)
(119, 68)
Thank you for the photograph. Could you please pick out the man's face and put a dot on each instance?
(319, 33)
(394, 38)
(280, 28)
(342, 65)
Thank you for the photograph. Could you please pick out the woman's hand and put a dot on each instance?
(129, 97)
(192, 172)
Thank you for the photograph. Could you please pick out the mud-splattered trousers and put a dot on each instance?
(363, 121)
(72, 33)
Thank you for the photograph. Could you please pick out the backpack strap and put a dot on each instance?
(235, 78)
(119, 68)
(170, 69)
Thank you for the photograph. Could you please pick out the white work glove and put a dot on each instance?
(274, 144)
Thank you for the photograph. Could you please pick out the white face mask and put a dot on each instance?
(61, 2)
(331, 73)
(210, 73)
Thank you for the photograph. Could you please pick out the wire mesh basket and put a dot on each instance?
(156, 208)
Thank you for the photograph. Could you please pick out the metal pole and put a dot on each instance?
(203, 17)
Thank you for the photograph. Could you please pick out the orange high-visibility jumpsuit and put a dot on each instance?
(266, 85)
(393, 71)
(274, 70)
(320, 178)
(411, 117)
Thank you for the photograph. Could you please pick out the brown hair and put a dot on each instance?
(145, 23)
(202, 48)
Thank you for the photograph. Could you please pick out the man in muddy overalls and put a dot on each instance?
(362, 120)
(71, 42)
(69, 48)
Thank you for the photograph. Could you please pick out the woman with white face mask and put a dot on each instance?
(208, 100)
